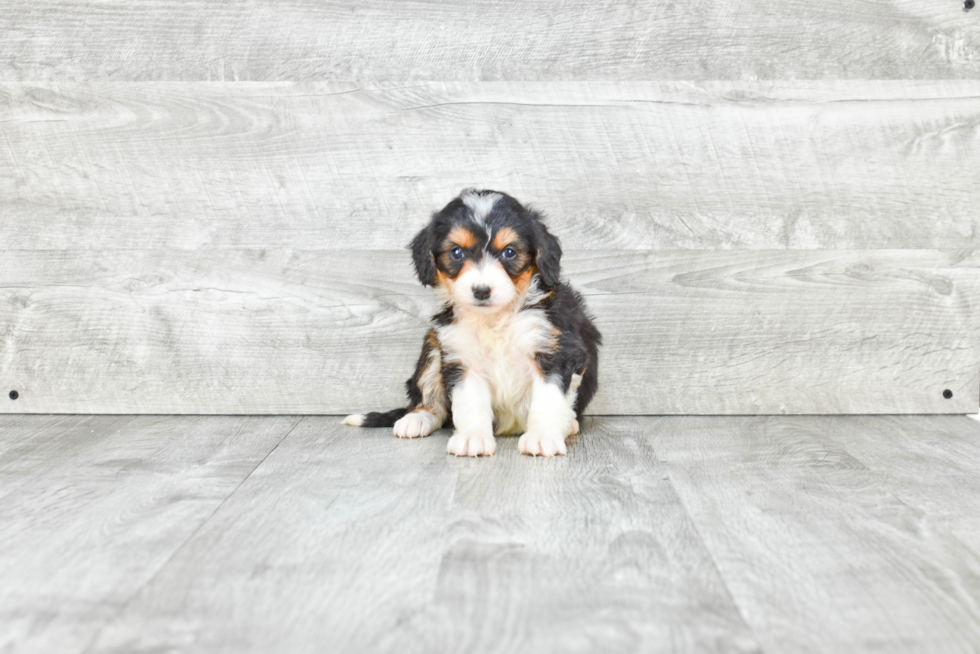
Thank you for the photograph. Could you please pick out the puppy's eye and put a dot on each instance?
(456, 253)
(508, 253)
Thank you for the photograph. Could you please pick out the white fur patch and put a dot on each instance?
(354, 420)
(481, 205)
(417, 424)
(533, 294)
(550, 421)
(472, 443)
(500, 349)
(536, 444)
(473, 419)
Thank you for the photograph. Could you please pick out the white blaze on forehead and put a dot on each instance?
(481, 205)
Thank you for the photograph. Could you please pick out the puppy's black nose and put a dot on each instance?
(481, 292)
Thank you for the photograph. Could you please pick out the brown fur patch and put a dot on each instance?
(551, 347)
(504, 237)
(447, 281)
(524, 278)
(432, 339)
(428, 378)
(462, 237)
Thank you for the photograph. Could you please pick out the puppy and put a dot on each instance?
(513, 349)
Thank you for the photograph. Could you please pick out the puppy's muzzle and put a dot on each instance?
(481, 292)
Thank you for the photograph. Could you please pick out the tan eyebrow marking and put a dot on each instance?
(504, 238)
(462, 237)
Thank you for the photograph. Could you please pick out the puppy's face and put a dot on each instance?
(483, 249)
(483, 269)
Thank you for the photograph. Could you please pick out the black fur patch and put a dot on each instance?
(578, 345)
(415, 399)
(422, 257)
(445, 317)
(375, 419)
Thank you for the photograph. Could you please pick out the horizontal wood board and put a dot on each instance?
(501, 40)
(93, 507)
(314, 332)
(643, 165)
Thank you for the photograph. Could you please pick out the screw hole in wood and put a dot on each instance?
(14, 395)
(948, 394)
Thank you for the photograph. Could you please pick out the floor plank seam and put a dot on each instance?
(190, 537)
(714, 563)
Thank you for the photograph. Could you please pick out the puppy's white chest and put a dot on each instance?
(502, 352)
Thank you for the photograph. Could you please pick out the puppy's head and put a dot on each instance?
(484, 248)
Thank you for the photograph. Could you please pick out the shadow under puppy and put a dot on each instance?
(513, 349)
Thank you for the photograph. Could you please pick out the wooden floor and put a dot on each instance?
(287, 534)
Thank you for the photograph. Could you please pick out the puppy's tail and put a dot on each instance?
(375, 419)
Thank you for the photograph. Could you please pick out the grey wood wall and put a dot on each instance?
(771, 207)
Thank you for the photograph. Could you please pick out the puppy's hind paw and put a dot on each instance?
(415, 425)
(472, 443)
(535, 444)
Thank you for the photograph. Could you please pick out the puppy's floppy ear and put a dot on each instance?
(548, 255)
(425, 263)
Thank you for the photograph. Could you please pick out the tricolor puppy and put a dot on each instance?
(513, 349)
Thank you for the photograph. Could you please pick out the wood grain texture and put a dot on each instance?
(690, 534)
(928, 464)
(334, 540)
(821, 552)
(499, 40)
(92, 508)
(664, 165)
(275, 331)
(367, 543)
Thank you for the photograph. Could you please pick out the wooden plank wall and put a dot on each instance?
(771, 208)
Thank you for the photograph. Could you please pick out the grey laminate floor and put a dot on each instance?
(285, 534)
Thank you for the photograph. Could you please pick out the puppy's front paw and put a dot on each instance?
(542, 444)
(472, 443)
(415, 424)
